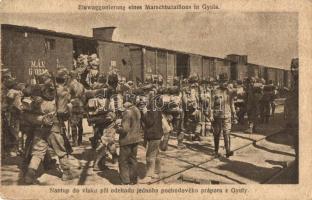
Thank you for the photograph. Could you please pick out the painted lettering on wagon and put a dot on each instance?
(36, 67)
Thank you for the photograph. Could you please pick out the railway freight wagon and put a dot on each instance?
(114, 56)
(27, 50)
(148, 61)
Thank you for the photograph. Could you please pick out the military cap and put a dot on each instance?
(10, 83)
(48, 91)
(185, 81)
(62, 73)
(176, 80)
(73, 73)
(193, 79)
(148, 78)
(43, 76)
(130, 83)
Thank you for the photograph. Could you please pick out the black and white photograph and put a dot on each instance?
(149, 96)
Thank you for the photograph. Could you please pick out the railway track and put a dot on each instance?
(270, 179)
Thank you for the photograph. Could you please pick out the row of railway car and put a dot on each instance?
(27, 49)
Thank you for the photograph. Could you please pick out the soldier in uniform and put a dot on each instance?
(47, 132)
(63, 97)
(93, 74)
(14, 97)
(76, 90)
(254, 95)
(106, 143)
(191, 96)
(177, 112)
(205, 106)
(223, 112)
(266, 102)
(97, 100)
(240, 102)
(291, 110)
(102, 116)
(7, 82)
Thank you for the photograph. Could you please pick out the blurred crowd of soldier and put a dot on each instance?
(34, 116)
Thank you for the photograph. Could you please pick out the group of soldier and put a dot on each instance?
(190, 108)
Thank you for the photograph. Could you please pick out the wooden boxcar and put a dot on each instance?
(27, 50)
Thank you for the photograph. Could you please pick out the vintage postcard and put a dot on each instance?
(122, 99)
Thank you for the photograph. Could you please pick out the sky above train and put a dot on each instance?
(268, 38)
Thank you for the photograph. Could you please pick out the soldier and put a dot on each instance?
(47, 132)
(254, 95)
(240, 102)
(205, 106)
(76, 91)
(191, 96)
(223, 111)
(266, 102)
(292, 108)
(7, 82)
(93, 74)
(174, 111)
(106, 144)
(129, 139)
(97, 101)
(63, 97)
(15, 96)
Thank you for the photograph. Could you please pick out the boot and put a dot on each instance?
(79, 137)
(254, 130)
(180, 141)
(99, 163)
(181, 145)
(250, 128)
(48, 162)
(197, 137)
(227, 146)
(216, 143)
(30, 177)
(93, 142)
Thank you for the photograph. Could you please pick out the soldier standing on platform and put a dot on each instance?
(223, 112)
(76, 90)
(254, 95)
(205, 107)
(266, 102)
(191, 96)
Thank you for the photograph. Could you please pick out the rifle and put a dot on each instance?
(67, 145)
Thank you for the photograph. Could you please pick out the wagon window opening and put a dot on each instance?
(49, 44)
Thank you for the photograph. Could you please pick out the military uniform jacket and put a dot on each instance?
(222, 103)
